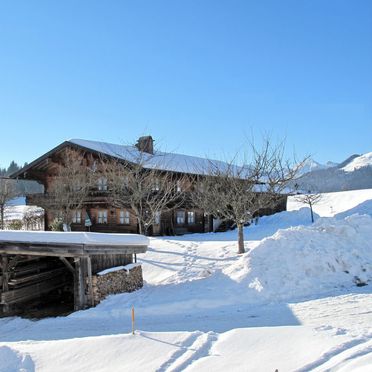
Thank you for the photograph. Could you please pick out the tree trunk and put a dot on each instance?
(240, 239)
(1, 217)
(140, 227)
(312, 214)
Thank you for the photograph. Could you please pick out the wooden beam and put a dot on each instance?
(67, 263)
(77, 284)
(66, 250)
(90, 281)
(35, 278)
(5, 269)
(32, 291)
(80, 283)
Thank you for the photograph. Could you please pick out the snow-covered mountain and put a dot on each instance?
(352, 174)
(311, 165)
(358, 162)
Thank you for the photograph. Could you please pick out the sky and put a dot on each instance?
(203, 77)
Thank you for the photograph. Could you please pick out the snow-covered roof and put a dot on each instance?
(84, 238)
(160, 160)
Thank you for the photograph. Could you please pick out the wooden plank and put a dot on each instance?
(5, 270)
(32, 291)
(37, 277)
(68, 251)
(33, 268)
(97, 250)
(36, 251)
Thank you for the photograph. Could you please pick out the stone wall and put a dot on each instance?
(126, 279)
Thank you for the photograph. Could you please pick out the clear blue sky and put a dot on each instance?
(199, 75)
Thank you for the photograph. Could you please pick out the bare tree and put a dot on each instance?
(68, 188)
(147, 192)
(33, 219)
(309, 199)
(238, 193)
(8, 191)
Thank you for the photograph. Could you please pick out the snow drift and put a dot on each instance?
(307, 260)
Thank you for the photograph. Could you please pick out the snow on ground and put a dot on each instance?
(290, 303)
(334, 203)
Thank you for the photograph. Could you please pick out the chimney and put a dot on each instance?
(145, 144)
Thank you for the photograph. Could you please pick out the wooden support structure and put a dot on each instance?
(31, 270)
(90, 282)
(68, 265)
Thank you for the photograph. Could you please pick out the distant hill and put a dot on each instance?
(354, 173)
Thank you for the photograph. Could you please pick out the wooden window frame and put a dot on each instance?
(102, 216)
(191, 221)
(179, 219)
(124, 217)
(102, 184)
(76, 218)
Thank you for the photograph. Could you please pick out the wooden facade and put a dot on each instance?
(99, 209)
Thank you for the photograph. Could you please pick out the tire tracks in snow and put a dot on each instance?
(195, 347)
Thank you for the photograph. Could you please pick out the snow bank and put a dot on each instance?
(12, 360)
(333, 203)
(362, 208)
(307, 260)
(73, 238)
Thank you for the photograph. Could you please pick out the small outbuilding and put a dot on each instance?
(38, 268)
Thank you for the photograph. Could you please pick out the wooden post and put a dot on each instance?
(5, 266)
(77, 304)
(5, 278)
(80, 298)
(90, 281)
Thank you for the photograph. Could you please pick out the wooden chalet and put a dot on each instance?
(98, 208)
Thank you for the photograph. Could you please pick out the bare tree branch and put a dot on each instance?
(239, 193)
(8, 191)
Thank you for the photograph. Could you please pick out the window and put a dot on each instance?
(157, 218)
(156, 185)
(102, 184)
(77, 186)
(179, 188)
(191, 218)
(76, 218)
(102, 216)
(124, 217)
(180, 217)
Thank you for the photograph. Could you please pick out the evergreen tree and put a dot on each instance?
(13, 167)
